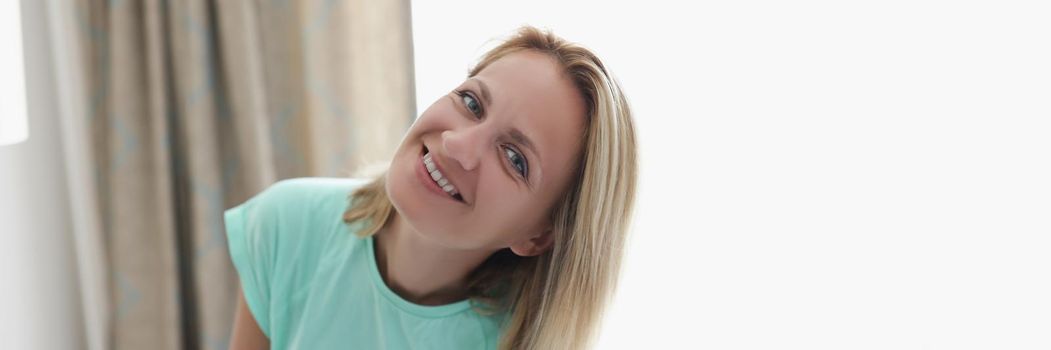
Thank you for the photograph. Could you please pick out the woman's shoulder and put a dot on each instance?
(308, 193)
(281, 237)
(313, 187)
(297, 206)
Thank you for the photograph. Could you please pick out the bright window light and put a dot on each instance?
(14, 124)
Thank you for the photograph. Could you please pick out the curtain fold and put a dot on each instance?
(193, 107)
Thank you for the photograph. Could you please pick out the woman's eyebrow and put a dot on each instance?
(521, 138)
(485, 91)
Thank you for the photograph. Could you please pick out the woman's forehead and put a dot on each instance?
(525, 68)
(528, 79)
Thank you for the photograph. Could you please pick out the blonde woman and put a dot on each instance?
(499, 224)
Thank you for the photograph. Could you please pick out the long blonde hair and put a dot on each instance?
(555, 300)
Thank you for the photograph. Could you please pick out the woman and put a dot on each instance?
(500, 222)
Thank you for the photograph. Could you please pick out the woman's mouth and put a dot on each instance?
(437, 178)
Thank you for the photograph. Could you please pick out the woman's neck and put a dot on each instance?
(419, 269)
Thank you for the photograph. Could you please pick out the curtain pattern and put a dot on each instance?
(197, 105)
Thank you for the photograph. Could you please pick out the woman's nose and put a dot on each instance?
(465, 145)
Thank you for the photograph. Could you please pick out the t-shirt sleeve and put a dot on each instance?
(276, 239)
(252, 230)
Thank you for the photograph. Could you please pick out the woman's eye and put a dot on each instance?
(517, 161)
(471, 103)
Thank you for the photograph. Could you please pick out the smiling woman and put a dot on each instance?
(500, 222)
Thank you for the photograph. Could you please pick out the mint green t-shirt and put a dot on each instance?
(311, 283)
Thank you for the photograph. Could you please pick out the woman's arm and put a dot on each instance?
(246, 334)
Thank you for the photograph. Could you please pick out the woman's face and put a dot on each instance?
(506, 140)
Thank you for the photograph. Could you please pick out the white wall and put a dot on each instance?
(815, 174)
(39, 290)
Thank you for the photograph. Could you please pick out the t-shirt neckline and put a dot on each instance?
(401, 303)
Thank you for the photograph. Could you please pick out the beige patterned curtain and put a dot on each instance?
(194, 106)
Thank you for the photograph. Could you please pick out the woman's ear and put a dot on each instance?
(535, 245)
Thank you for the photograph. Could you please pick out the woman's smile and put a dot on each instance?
(434, 180)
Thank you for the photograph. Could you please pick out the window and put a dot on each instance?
(14, 125)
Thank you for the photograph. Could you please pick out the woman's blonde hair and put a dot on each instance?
(555, 300)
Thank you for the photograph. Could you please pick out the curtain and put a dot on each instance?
(192, 107)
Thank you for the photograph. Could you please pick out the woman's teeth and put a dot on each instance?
(438, 177)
